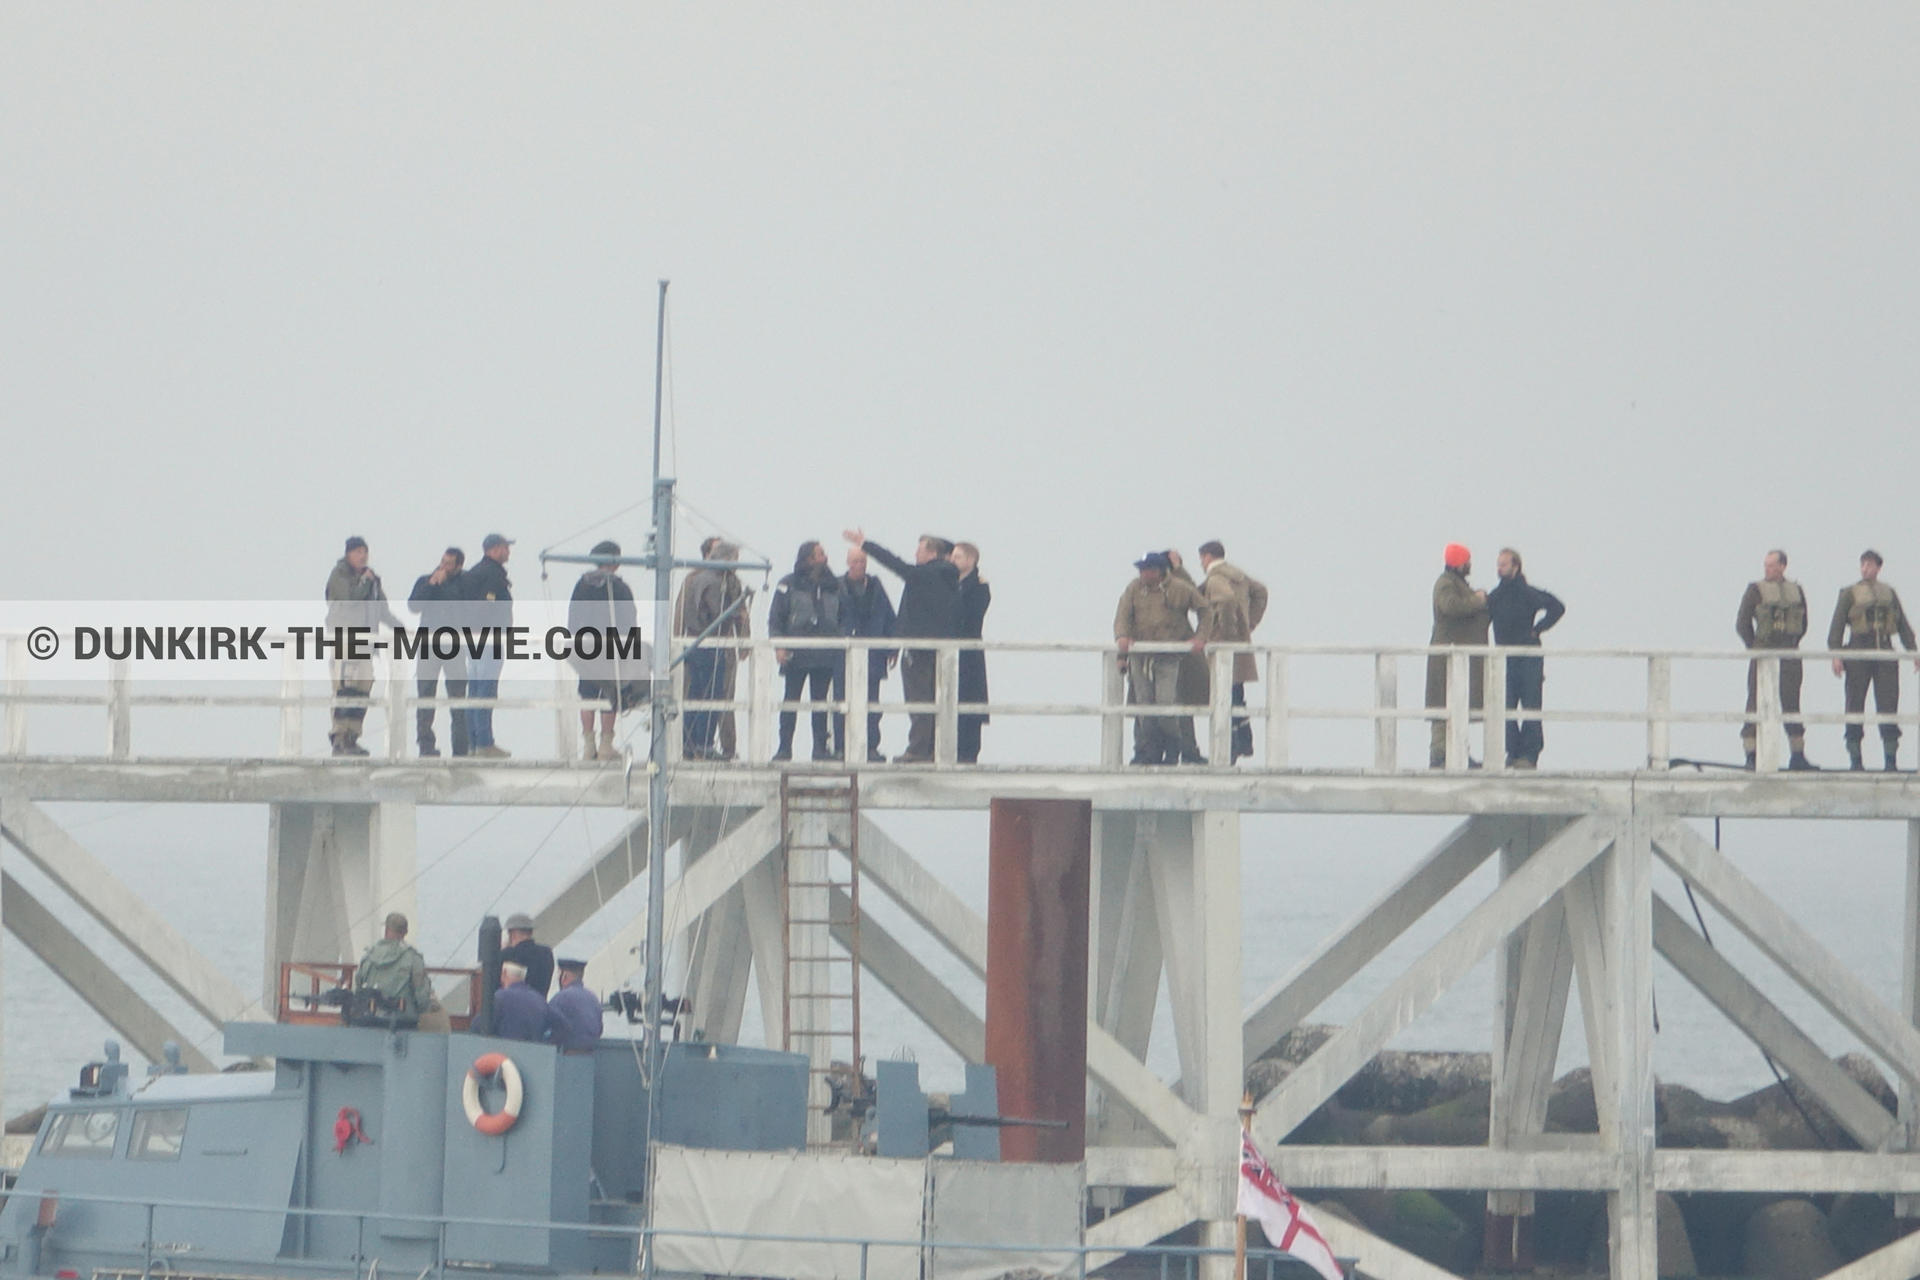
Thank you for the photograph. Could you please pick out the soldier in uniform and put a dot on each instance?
(396, 970)
(1236, 602)
(578, 1006)
(1773, 615)
(355, 598)
(1154, 609)
(1868, 616)
(1459, 617)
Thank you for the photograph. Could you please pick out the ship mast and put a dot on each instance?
(657, 744)
(661, 561)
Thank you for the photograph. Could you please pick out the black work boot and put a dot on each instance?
(1753, 760)
(1800, 764)
(1854, 762)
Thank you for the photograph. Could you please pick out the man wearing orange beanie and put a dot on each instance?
(1459, 617)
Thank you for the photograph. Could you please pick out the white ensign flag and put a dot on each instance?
(1285, 1220)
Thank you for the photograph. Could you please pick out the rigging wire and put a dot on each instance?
(1700, 917)
(580, 533)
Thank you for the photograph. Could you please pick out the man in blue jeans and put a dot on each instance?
(1519, 612)
(490, 605)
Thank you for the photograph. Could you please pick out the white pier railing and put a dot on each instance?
(1651, 694)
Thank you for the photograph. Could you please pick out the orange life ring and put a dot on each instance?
(486, 1066)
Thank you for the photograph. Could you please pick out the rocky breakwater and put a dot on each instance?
(1443, 1099)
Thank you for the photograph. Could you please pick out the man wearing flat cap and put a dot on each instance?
(394, 969)
(1158, 608)
(579, 1007)
(522, 950)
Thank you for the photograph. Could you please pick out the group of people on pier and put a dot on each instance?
(944, 596)
(1773, 615)
(479, 600)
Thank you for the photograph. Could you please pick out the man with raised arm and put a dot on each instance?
(1236, 602)
(928, 599)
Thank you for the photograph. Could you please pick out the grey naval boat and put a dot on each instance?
(355, 1150)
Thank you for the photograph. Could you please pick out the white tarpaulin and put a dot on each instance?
(786, 1193)
(1004, 1204)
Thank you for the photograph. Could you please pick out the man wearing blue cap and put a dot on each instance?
(577, 1006)
(491, 595)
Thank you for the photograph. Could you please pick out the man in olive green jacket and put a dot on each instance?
(1459, 617)
(1155, 608)
(1236, 602)
(1868, 616)
(1773, 615)
(396, 970)
(355, 598)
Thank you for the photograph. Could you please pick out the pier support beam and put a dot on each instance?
(1533, 973)
(1627, 872)
(334, 871)
(1127, 961)
(1907, 1208)
(92, 979)
(133, 924)
(1037, 895)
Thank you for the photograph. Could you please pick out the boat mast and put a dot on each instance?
(656, 1049)
(657, 751)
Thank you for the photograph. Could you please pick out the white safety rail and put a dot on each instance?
(1631, 688)
(390, 708)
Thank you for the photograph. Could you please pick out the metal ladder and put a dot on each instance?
(819, 814)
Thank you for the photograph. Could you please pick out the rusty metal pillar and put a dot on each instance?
(1037, 896)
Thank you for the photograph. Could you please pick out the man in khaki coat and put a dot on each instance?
(1868, 616)
(1459, 617)
(1196, 683)
(1236, 602)
(1154, 609)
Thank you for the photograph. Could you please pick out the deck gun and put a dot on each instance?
(909, 1124)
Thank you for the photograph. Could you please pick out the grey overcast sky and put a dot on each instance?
(1629, 286)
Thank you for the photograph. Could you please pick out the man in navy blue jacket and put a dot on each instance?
(521, 1013)
(866, 610)
(579, 1007)
(1519, 612)
(929, 598)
